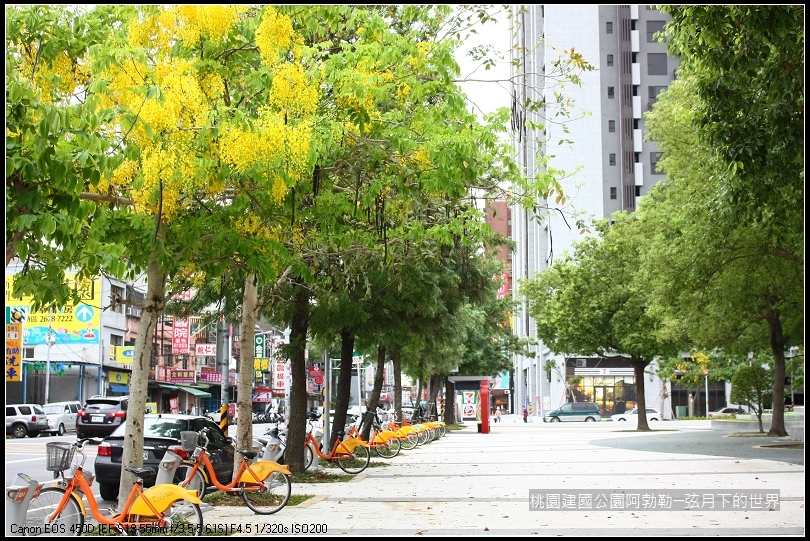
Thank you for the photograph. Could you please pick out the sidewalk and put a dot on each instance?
(470, 484)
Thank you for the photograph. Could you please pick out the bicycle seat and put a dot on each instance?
(140, 472)
(250, 455)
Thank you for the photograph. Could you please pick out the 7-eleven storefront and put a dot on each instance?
(612, 389)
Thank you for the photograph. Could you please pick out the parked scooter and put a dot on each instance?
(274, 445)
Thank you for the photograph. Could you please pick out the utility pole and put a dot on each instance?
(223, 358)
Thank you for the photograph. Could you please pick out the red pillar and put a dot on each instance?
(484, 406)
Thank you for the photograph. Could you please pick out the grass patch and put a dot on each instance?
(220, 498)
(456, 426)
(321, 476)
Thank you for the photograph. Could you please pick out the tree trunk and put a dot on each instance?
(641, 401)
(244, 400)
(449, 414)
(297, 408)
(374, 399)
(397, 367)
(777, 341)
(139, 381)
(435, 387)
(344, 383)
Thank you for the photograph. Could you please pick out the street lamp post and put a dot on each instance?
(706, 377)
(49, 341)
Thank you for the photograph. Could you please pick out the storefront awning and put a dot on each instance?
(119, 388)
(168, 386)
(196, 392)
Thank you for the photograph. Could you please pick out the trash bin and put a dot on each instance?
(681, 411)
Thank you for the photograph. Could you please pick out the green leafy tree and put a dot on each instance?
(730, 224)
(592, 303)
(752, 386)
(56, 150)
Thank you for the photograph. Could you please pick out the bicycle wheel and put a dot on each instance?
(390, 449)
(410, 441)
(309, 457)
(272, 495)
(69, 521)
(359, 460)
(182, 518)
(423, 437)
(197, 482)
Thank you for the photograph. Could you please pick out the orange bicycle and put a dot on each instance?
(386, 443)
(265, 485)
(59, 510)
(352, 455)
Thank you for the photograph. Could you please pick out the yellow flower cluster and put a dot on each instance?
(181, 104)
(274, 36)
(56, 81)
(250, 226)
(403, 91)
(123, 176)
(421, 158)
(168, 177)
(292, 93)
(187, 23)
(419, 60)
(271, 147)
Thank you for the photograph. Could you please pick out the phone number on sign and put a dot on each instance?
(263, 529)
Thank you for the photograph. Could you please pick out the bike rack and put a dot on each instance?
(18, 496)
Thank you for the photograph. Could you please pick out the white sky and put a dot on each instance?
(494, 93)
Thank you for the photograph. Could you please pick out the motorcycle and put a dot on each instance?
(273, 446)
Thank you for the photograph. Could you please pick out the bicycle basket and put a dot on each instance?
(58, 455)
(188, 440)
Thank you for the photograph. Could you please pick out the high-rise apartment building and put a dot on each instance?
(608, 165)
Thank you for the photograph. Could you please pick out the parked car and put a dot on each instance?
(161, 431)
(62, 416)
(632, 415)
(25, 420)
(726, 411)
(101, 415)
(574, 411)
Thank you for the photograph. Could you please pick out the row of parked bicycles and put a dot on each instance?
(172, 505)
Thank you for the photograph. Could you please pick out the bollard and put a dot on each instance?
(18, 496)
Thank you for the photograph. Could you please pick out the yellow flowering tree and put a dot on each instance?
(397, 158)
(56, 148)
(213, 117)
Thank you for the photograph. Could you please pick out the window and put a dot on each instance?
(613, 193)
(611, 92)
(612, 126)
(613, 159)
(610, 60)
(656, 63)
(117, 295)
(654, 159)
(652, 28)
(652, 93)
(638, 191)
(609, 27)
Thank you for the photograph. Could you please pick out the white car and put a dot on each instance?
(632, 415)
